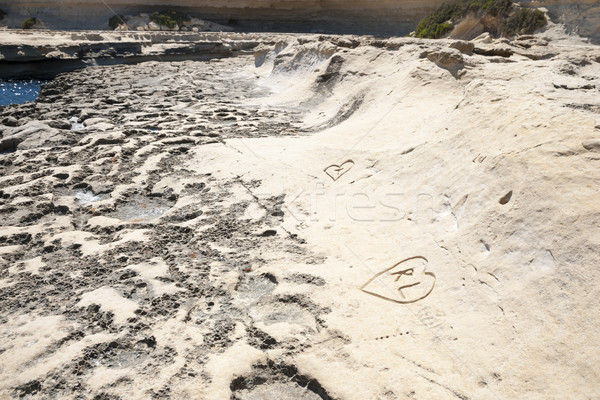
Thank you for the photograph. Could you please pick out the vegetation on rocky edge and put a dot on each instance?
(498, 17)
(2, 14)
(169, 18)
(523, 21)
(29, 23)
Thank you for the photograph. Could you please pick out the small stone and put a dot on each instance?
(10, 121)
(347, 43)
(153, 26)
(463, 47)
(483, 38)
(592, 144)
(59, 124)
(450, 59)
(499, 50)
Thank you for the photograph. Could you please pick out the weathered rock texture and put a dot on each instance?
(329, 218)
(43, 54)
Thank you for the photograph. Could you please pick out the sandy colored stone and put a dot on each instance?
(592, 145)
(310, 221)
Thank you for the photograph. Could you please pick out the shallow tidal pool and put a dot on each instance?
(19, 92)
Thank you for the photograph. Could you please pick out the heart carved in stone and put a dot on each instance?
(335, 171)
(405, 282)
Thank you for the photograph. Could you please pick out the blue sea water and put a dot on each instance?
(18, 92)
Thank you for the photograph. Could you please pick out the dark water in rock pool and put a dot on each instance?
(18, 92)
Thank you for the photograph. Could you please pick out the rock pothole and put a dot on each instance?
(273, 381)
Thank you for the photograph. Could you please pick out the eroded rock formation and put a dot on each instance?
(327, 218)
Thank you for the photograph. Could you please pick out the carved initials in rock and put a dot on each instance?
(405, 282)
(335, 172)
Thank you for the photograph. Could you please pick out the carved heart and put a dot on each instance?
(405, 282)
(335, 172)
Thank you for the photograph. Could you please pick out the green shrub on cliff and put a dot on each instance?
(497, 17)
(492, 7)
(29, 23)
(115, 21)
(169, 18)
(2, 14)
(429, 27)
(439, 23)
(524, 21)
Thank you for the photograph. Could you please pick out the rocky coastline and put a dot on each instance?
(261, 216)
(43, 54)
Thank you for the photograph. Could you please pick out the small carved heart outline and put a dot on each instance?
(402, 287)
(335, 171)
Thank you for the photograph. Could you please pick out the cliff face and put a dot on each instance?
(580, 16)
(356, 16)
(390, 17)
